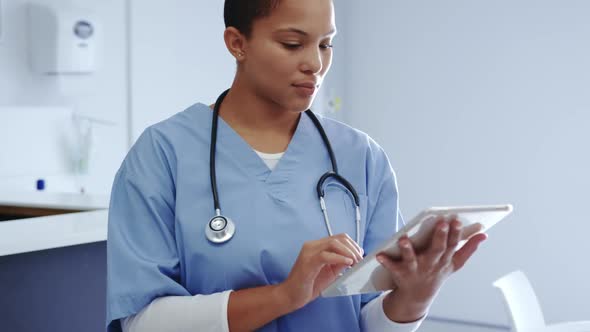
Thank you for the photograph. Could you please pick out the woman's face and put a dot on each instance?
(289, 52)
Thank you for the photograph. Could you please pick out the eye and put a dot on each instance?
(326, 46)
(291, 46)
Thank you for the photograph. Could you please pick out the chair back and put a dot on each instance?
(522, 303)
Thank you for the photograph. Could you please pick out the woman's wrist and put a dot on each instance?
(250, 309)
(283, 299)
(290, 296)
(402, 308)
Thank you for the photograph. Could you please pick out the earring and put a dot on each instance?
(240, 54)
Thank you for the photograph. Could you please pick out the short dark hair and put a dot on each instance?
(241, 14)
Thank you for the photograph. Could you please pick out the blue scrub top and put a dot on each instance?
(161, 203)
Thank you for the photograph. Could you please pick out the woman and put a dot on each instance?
(175, 262)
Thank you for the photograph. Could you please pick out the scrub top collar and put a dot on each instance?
(230, 142)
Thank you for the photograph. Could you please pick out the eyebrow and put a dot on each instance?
(303, 33)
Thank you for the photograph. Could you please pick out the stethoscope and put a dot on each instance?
(221, 228)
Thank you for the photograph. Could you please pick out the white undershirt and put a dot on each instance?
(270, 159)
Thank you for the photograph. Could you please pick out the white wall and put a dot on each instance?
(335, 81)
(485, 102)
(178, 58)
(102, 95)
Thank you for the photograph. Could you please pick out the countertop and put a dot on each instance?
(40, 233)
(53, 200)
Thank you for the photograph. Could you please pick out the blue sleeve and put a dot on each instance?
(142, 257)
(383, 213)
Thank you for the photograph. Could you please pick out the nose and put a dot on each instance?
(312, 62)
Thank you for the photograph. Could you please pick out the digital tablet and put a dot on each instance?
(369, 275)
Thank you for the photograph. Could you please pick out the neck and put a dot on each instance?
(260, 122)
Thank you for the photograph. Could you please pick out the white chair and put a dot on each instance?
(524, 309)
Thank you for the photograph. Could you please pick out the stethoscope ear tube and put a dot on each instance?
(321, 193)
(342, 181)
(212, 175)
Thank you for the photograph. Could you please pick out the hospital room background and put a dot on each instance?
(475, 102)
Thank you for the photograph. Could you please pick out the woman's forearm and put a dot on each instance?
(252, 308)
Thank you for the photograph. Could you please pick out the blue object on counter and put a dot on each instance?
(40, 184)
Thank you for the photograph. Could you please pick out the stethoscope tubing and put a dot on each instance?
(210, 231)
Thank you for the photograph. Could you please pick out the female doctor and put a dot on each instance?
(215, 221)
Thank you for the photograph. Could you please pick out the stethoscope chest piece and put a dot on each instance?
(220, 229)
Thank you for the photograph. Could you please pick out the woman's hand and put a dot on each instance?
(420, 275)
(318, 264)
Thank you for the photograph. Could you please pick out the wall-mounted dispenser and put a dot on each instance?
(63, 40)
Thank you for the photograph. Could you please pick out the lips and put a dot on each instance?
(309, 85)
(305, 89)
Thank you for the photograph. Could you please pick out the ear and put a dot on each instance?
(235, 42)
